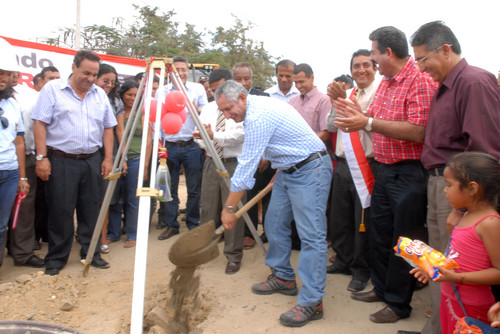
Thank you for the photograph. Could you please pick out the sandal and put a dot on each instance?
(129, 243)
(105, 249)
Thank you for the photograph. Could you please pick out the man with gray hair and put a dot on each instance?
(276, 132)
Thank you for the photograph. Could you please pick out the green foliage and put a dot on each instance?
(157, 34)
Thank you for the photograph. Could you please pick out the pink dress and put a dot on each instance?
(468, 250)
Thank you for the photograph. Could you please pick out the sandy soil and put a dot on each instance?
(101, 302)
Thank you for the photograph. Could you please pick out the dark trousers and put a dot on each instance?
(41, 213)
(262, 179)
(350, 245)
(398, 208)
(22, 238)
(73, 184)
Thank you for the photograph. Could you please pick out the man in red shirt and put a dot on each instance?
(398, 208)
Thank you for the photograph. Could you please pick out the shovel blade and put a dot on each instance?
(195, 247)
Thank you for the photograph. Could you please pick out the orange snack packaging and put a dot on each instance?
(418, 253)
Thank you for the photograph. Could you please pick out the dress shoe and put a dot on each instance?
(34, 261)
(408, 332)
(248, 243)
(368, 297)
(233, 267)
(51, 271)
(167, 234)
(334, 269)
(385, 316)
(356, 285)
(100, 263)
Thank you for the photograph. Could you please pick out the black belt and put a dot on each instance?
(304, 162)
(436, 171)
(72, 156)
(180, 142)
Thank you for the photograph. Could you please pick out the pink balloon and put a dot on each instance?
(183, 115)
(152, 111)
(175, 101)
(171, 123)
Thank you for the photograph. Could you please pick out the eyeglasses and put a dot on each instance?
(423, 59)
(3, 119)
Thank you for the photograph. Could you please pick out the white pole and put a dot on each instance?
(77, 26)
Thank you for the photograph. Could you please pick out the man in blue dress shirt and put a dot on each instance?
(73, 120)
(276, 132)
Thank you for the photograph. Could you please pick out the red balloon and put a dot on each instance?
(183, 115)
(175, 101)
(152, 110)
(171, 123)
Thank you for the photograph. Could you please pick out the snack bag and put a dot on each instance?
(422, 255)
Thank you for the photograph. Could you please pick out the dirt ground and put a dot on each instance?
(101, 302)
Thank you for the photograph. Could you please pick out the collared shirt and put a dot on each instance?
(74, 126)
(404, 97)
(27, 98)
(313, 107)
(276, 93)
(8, 156)
(365, 137)
(276, 132)
(464, 116)
(196, 92)
(231, 139)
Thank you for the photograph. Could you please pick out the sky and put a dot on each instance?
(322, 33)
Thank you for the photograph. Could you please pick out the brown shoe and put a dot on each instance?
(367, 297)
(384, 316)
(248, 243)
(232, 267)
(167, 234)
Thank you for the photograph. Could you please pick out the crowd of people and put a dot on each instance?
(410, 152)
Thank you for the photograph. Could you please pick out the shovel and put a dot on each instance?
(199, 245)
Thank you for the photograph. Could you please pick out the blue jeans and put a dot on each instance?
(131, 204)
(190, 157)
(9, 180)
(301, 195)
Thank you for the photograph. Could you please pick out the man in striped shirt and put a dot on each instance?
(398, 208)
(276, 132)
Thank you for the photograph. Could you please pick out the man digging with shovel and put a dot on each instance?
(276, 132)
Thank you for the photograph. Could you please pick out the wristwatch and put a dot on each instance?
(40, 157)
(229, 208)
(368, 126)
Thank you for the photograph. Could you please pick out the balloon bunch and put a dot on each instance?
(173, 113)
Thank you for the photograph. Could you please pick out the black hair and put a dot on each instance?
(433, 35)
(478, 167)
(285, 63)
(85, 54)
(180, 59)
(219, 74)
(48, 69)
(105, 69)
(345, 78)
(36, 78)
(393, 38)
(126, 86)
(303, 68)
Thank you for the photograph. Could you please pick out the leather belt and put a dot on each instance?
(180, 142)
(304, 162)
(437, 171)
(72, 156)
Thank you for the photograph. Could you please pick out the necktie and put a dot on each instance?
(359, 93)
(220, 127)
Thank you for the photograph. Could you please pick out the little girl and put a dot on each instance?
(472, 182)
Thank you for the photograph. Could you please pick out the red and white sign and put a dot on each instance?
(32, 57)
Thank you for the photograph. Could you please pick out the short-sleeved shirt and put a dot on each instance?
(275, 93)
(464, 116)
(314, 107)
(404, 97)
(275, 131)
(8, 156)
(74, 126)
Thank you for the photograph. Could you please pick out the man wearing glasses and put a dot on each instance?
(398, 207)
(464, 116)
